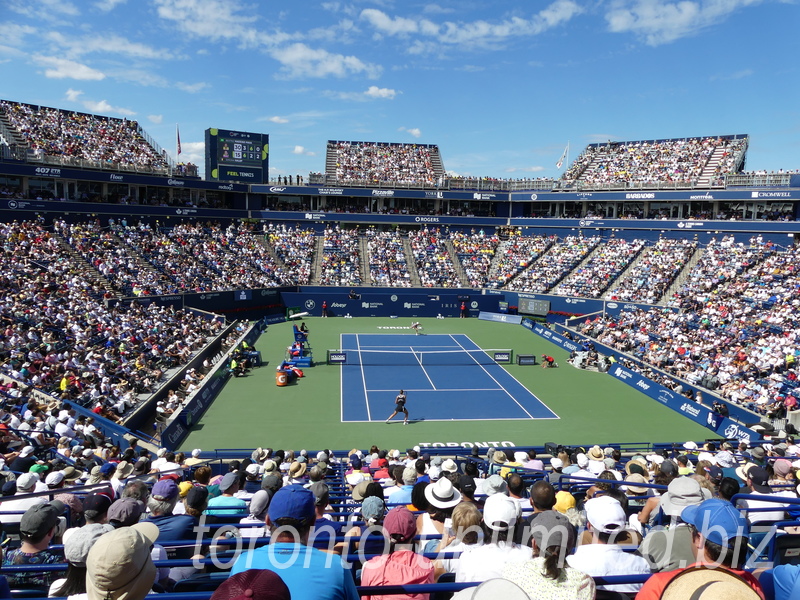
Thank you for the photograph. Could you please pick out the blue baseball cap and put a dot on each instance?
(717, 520)
(293, 502)
(108, 468)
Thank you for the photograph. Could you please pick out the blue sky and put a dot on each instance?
(501, 87)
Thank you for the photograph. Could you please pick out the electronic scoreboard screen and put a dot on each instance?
(529, 306)
(237, 156)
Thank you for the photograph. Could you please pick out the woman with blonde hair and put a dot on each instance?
(465, 531)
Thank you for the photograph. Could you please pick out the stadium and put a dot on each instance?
(644, 304)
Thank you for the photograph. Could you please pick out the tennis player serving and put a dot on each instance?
(400, 407)
(416, 327)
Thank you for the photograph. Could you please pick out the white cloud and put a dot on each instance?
(535, 169)
(372, 93)
(413, 132)
(43, 9)
(157, 119)
(192, 88)
(61, 68)
(384, 93)
(435, 9)
(733, 76)
(218, 21)
(659, 22)
(302, 151)
(299, 60)
(105, 108)
(476, 33)
(108, 5)
(73, 95)
(192, 152)
(107, 44)
(279, 120)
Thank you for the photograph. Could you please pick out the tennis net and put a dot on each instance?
(420, 357)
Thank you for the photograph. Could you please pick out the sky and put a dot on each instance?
(501, 87)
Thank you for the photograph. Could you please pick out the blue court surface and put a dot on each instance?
(443, 376)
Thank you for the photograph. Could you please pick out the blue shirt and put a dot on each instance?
(402, 497)
(228, 503)
(174, 527)
(310, 574)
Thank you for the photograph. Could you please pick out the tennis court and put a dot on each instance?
(446, 377)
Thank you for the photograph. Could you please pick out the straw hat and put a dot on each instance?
(701, 583)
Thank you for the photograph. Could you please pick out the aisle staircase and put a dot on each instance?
(411, 264)
(457, 266)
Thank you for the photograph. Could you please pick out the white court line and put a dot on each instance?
(456, 420)
(495, 380)
(498, 389)
(423, 369)
(363, 379)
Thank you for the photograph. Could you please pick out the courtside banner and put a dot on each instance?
(554, 337)
(500, 318)
(698, 413)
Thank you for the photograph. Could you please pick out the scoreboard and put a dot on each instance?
(529, 306)
(237, 156)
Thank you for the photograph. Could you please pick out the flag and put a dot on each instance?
(563, 157)
(178, 134)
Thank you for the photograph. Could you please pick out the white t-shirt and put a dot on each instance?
(479, 563)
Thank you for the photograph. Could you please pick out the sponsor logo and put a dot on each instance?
(467, 444)
(640, 196)
(624, 375)
(547, 334)
(612, 305)
(434, 194)
(534, 196)
(690, 224)
(690, 409)
(665, 397)
(338, 305)
(331, 191)
(240, 174)
(732, 431)
(584, 194)
(176, 434)
(473, 304)
(413, 305)
(770, 194)
(12, 204)
(48, 171)
(426, 219)
(337, 357)
(706, 196)
(393, 297)
(569, 345)
(479, 196)
(277, 190)
(314, 216)
(177, 182)
(228, 188)
(643, 385)
(371, 304)
(115, 177)
(383, 193)
(310, 304)
(498, 356)
(629, 307)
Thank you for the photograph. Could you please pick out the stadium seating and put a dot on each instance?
(681, 162)
(102, 142)
(372, 162)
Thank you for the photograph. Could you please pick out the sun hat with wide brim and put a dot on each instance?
(442, 494)
(702, 583)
